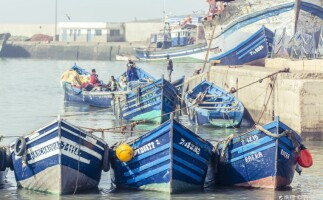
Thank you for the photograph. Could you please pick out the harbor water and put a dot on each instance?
(31, 96)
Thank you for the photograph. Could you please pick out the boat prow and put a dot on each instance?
(265, 157)
(59, 158)
(170, 158)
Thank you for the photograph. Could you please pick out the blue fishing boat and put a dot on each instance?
(253, 50)
(208, 104)
(104, 99)
(265, 157)
(150, 102)
(170, 158)
(59, 158)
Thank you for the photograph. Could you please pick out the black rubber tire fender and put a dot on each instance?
(20, 146)
(3, 159)
(10, 162)
(105, 160)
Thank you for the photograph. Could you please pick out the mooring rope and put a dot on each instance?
(259, 80)
(266, 104)
(133, 124)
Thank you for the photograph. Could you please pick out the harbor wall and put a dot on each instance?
(296, 96)
(68, 51)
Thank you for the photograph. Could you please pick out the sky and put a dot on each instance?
(43, 11)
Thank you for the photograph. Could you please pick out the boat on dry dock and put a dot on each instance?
(265, 157)
(59, 158)
(170, 158)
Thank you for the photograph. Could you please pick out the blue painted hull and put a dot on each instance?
(99, 99)
(72, 93)
(254, 49)
(59, 158)
(102, 99)
(218, 108)
(170, 158)
(255, 159)
(151, 102)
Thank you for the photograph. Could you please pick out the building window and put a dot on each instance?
(114, 32)
(98, 32)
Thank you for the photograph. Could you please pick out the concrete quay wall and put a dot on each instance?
(297, 97)
(68, 51)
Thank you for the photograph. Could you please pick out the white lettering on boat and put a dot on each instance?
(253, 157)
(70, 148)
(249, 139)
(285, 154)
(256, 50)
(190, 146)
(44, 150)
(146, 148)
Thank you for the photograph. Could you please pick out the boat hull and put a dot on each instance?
(151, 102)
(60, 159)
(169, 159)
(99, 99)
(258, 160)
(71, 93)
(189, 54)
(253, 50)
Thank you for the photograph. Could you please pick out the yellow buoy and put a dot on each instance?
(124, 152)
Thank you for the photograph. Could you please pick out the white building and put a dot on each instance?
(90, 32)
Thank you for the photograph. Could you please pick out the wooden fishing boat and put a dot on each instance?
(170, 158)
(152, 102)
(265, 157)
(59, 158)
(208, 104)
(104, 99)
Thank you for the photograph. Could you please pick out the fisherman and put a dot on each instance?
(123, 83)
(130, 63)
(94, 78)
(169, 68)
(113, 84)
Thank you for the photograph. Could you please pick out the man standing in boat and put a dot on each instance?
(169, 68)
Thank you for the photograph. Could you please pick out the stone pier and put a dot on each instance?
(297, 96)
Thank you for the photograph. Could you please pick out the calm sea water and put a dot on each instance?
(31, 96)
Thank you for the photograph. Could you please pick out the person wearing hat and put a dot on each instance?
(169, 68)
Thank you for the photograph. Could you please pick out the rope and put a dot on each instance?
(225, 146)
(229, 120)
(288, 133)
(78, 165)
(260, 80)
(123, 128)
(266, 104)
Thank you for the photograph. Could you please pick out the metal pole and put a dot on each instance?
(55, 38)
